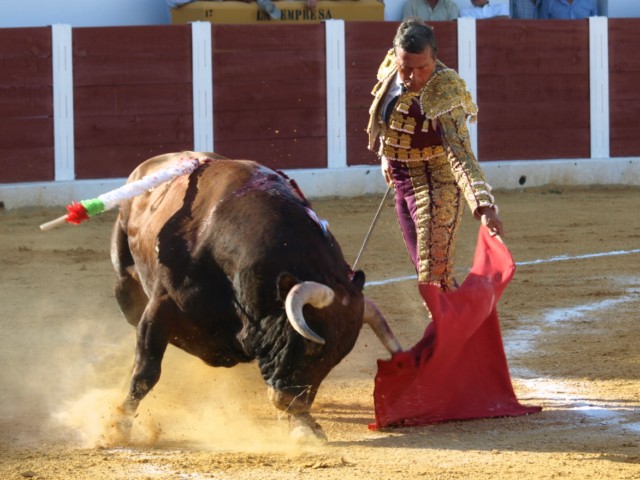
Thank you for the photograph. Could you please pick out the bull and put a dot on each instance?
(231, 265)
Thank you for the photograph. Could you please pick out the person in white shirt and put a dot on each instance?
(431, 10)
(483, 9)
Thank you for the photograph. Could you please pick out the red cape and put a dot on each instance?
(458, 370)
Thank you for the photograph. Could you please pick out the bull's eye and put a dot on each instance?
(312, 349)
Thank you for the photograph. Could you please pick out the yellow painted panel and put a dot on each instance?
(293, 11)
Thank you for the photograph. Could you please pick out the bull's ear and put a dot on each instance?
(358, 279)
(286, 282)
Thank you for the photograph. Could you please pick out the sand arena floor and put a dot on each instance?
(570, 324)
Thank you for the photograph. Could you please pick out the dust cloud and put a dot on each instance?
(67, 353)
(69, 377)
(192, 405)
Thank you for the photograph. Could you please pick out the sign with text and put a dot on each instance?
(293, 11)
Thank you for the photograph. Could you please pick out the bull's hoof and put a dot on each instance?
(305, 434)
(303, 428)
(118, 429)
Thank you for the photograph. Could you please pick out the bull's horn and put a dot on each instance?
(374, 318)
(315, 294)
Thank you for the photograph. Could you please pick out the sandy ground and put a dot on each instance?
(570, 327)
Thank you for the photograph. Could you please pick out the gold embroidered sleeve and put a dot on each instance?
(465, 166)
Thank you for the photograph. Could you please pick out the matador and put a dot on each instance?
(419, 113)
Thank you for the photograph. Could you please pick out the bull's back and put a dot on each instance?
(191, 197)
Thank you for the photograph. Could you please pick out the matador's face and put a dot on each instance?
(415, 69)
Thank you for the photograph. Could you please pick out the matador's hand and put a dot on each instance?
(490, 218)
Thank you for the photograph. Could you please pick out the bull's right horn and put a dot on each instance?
(374, 318)
(315, 294)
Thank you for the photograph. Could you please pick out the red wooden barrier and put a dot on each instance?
(133, 93)
(132, 96)
(26, 105)
(269, 96)
(624, 87)
(533, 89)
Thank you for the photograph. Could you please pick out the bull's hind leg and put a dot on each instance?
(131, 298)
(128, 291)
(152, 338)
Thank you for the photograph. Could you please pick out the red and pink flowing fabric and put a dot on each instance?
(458, 370)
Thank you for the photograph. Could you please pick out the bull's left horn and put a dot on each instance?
(315, 294)
(374, 318)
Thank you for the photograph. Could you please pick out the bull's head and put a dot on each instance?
(321, 355)
(319, 296)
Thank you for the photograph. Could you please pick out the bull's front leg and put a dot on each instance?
(303, 427)
(152, 339)
(296, 403)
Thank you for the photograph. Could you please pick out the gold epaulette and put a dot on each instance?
(444, 92)
(386, 70)
(387, 66)
(386, 74)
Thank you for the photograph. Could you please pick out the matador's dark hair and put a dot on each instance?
(414, 35)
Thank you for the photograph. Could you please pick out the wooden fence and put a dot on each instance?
(133, 93)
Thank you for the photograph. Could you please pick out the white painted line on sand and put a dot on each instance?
(562, 394)
(561, 258)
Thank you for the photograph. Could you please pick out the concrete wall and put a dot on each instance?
(82, 13)
(623, 8)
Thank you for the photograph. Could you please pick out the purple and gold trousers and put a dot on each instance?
(429, 207)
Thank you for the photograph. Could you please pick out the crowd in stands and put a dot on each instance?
(442, 10)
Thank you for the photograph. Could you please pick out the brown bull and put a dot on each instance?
(230, 265)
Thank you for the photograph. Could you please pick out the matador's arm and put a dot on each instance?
(465, 166)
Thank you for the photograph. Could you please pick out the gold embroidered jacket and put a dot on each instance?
(430, 125)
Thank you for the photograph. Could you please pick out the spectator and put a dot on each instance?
(268, 6)
(568, 9)
(431, 10)
(265, 5)
(524, 8)
(481, 9)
